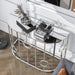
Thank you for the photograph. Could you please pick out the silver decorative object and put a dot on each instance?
(23, 16)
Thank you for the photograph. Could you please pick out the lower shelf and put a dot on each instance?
(34, 57)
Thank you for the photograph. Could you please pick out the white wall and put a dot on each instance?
(7, 7)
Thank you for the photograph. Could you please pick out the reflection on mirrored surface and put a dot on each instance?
(61, 3)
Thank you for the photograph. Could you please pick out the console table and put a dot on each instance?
(18, 39)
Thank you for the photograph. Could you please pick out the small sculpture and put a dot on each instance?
(23, 16)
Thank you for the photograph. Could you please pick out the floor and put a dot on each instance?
(9, 65)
